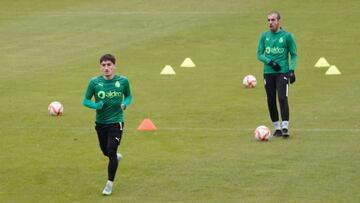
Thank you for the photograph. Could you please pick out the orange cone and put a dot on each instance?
(147, 124)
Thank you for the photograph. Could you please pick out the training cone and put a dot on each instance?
(322, 62)
(146, 125)
(188, 63)
(333, 70)
(167, 70)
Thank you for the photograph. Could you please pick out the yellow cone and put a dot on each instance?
(322, 62)
(333, 71)
(188, 63)
(167, 70)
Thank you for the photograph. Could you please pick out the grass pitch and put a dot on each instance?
(204, 150)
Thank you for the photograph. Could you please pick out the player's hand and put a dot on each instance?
(275, 66)
(123, 107)
(292, 76)
(99, 105)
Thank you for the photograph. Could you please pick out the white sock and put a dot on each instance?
(277, 125)
(109, 182)
(285, 124)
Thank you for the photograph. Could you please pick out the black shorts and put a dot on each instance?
(109, 136)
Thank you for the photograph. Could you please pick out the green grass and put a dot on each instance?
(204, 150)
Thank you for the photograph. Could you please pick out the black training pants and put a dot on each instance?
(109, 136)
(277, 85)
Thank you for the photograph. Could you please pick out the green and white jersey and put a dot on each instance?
(277, 47)
(113, 93)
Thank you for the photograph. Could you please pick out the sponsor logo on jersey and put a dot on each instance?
(274, 50)
(110, 94)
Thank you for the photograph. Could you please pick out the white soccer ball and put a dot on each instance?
(249, 81)
(262, 133)
(56, 108)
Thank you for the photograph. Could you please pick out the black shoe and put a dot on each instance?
(277, 133)
(285, 132)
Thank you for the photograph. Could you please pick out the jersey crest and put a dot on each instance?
(117, 84)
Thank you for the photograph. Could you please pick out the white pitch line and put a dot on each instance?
(187, 129)
(128, 13)
(122, 13)
(244, 129)
(117, 13)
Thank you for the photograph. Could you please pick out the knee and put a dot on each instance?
(283, 99)
(104, 151)
(111, 154)
(271, 100)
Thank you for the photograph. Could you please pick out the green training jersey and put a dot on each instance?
(277, 47)
(112, 93)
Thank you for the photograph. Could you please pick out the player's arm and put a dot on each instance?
(293, 52)
(261, 49)
(87, 98)
(127, 96)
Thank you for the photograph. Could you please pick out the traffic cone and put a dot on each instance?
(167, 70)
(333, 70)
(146, 125)
(188, 63)
(322, 62)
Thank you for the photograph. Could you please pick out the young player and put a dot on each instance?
(112, 96)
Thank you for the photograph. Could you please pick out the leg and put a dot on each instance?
(101, 131)
(114, 134)
(282, 86)
(270, 87)
(114, 139)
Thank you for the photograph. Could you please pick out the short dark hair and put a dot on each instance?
(275, 12)
(108, 57)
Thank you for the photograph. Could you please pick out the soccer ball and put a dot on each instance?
(249, 81)
(262, 133)
(56, 108)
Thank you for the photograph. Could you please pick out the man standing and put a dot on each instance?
(274, 48)
(112, 96)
